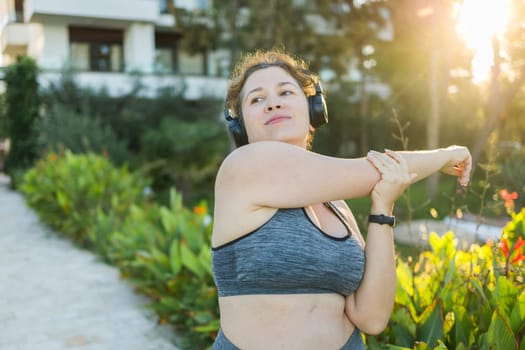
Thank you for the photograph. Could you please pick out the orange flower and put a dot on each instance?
(52, 157)
(199, 210)
(505, 195)
(509, 199)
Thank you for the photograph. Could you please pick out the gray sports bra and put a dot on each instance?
(288, 254)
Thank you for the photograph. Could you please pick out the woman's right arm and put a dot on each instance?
(279, 175)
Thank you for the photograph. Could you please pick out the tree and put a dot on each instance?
(22, 104)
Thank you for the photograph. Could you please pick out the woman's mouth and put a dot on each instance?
(276, 119)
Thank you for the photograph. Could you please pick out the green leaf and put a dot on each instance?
(432, 328)
(168, 219)
(463, 326)
(205, 259)
(517, 315)
(63, 201)
(190, 260)
(405, 290)
(175, 257)
(212, 326)
(395, 347)
(504, 295)
(500, 335)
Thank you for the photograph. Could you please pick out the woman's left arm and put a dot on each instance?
(453, 160)
(369, 308)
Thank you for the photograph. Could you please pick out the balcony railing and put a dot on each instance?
(120, 10)
(193, 87)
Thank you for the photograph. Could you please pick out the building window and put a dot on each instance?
(104, 57)
(95, 49)
(166, 52)
(165, 60)
(192, 64)
(164, 6)
(19, 11)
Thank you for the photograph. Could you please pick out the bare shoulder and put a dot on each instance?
(234, 213)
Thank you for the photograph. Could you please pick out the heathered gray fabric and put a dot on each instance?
(355, 342)
(289, 254)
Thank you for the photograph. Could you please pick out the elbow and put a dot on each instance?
(371, 324)
(374, 327)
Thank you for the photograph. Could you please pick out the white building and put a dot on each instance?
(104, 41)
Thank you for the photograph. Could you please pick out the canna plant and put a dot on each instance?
(165, 252)
(67, 190)
(453, 299)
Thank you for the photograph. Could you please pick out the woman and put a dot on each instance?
(291, 267)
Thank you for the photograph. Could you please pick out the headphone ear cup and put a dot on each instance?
(317, 108)
(236, 128)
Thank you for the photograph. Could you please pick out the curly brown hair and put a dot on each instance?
(260, 59)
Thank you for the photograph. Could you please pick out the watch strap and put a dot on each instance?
(382, 219)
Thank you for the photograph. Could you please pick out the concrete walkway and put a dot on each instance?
(466, 231)
(54, 296)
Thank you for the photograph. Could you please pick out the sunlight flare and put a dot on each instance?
(479, 22)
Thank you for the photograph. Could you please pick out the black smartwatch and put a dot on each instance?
(382, 219)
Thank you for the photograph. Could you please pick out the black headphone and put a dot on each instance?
(316, 107)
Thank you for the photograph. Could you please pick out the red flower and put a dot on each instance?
(518, 257)
(520, 243)
(504, 246)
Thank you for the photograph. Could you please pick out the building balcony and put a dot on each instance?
(117, 84)
(14, 39)
(107, 10)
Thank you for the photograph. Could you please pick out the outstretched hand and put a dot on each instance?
(460, 163)
(395, 177)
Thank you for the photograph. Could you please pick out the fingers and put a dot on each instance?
(391, 164)
(460, 165)
(395, 176)
(467, 168)
(389, 160)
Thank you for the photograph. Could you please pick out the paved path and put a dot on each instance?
(466, 232)
(54, 296)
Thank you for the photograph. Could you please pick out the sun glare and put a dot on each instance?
(479, 21)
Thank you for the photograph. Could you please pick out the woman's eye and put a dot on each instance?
(256, 99)
(287, 92)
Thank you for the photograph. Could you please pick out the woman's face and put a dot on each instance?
(274, 107)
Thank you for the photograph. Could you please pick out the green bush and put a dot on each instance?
(165, 252)
(22, 104)
(185, 155)
(451, 299)
(61, 127)
(69, 190)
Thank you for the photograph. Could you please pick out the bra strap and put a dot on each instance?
(340, 215)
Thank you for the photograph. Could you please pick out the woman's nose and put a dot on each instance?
(273, 105)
